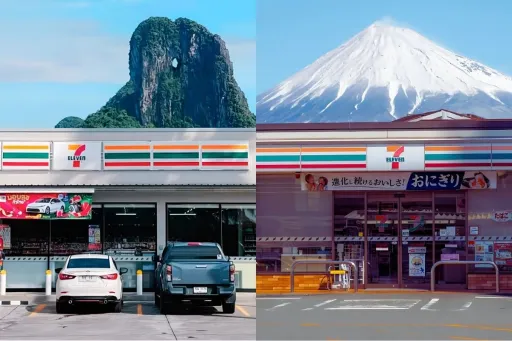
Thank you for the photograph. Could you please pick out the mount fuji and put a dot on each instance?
(384, 73)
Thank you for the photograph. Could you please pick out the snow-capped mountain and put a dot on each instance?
(383, 73)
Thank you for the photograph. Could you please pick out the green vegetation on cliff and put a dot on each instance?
(181, 76)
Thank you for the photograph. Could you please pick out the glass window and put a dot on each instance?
(77, 236)
(239, 230)
(194, 223)
(28, 237)
(130, 229)
(88, 263)
(349, 220)
(293, 224)
(450, 231)
(196, 252)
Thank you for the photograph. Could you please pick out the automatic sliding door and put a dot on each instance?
(383, 253)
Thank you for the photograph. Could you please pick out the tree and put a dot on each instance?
(70, 122)
(108, 117)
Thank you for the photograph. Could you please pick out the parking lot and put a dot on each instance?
(140, 320)
(428, 316)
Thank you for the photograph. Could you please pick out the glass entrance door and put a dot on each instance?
(383, 220)
(417, 239)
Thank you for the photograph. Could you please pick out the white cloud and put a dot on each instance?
(61, 51)
(80, 51)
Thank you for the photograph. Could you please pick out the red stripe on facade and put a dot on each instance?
(277, 166)
(26, 164)
(502, 164)
(332, 165)
(128, 164)
(226, 163)
(175, 164)
(457, 165)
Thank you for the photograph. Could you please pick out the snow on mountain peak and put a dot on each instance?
(395, 58)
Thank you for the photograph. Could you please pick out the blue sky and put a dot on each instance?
(291, 34)
(68, 57)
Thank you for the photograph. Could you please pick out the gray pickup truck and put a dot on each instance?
(194, 273)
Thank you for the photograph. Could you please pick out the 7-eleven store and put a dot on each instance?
(125, 193)
(392, 197)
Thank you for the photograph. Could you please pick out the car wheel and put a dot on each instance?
(228, 308)
(118, 307)
(61, 308)
(157, 300)
(47, 210)
(164, 306)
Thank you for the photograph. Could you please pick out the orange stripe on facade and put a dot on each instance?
(455, 148)
(73, 147)
(225, 147)
(126, 147)
(25, 147)
(175, 147)
(392, 149)
(332, 149)
(277, 150)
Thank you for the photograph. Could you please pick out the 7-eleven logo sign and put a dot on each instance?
(396, 157)
(77, 157)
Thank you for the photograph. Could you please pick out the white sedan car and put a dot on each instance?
(45, 206)
(89, 278)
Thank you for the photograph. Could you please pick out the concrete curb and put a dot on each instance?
(13, 303)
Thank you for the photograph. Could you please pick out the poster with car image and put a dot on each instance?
(45, 206)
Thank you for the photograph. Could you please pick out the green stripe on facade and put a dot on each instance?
(349, 157)
(39, 156)
(193, 155)
(277, 158)
(450, 157)
(127, 156)
(225, 155)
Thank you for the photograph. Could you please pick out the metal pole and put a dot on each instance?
(336, 262)
(448, 262)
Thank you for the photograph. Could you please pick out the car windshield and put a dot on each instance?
(196, 252)
(85, 263)
(45, 200)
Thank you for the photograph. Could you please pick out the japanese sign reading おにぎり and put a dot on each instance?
(411, 181)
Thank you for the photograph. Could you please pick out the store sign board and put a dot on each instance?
(395, 158)
(399, 181)
(45, 206)
(501, 216)
(77, 156)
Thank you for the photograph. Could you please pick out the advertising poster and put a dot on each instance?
(45, 206)
(94, 238)
(411, 181)
(416, 264)
(503, 253)
(417, 261)
(5, 236)
(484, 251)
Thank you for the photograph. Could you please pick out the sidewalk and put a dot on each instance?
(377, 292)
(32, 298)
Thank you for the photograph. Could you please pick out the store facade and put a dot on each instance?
(124, 192)
(394, 198)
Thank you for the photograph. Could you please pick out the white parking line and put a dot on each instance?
(500, 297)
(429, 304)
(278, 306)
(384, 304)
(320, 304)
(465, 306)
(278, 298)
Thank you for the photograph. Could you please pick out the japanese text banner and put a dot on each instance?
(411, 181)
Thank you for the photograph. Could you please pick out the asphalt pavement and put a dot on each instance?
(140, 320)
(425, 316)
